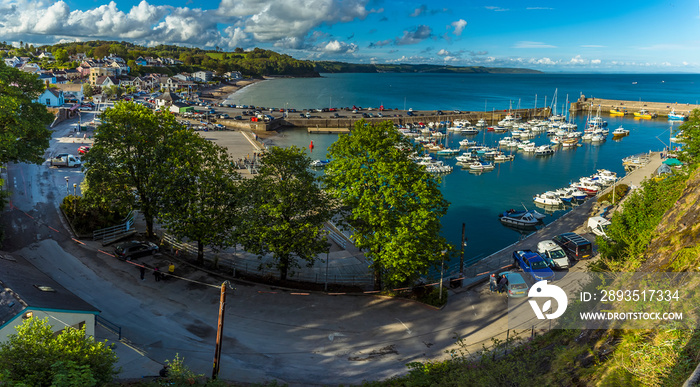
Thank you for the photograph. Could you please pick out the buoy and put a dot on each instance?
(312, 144)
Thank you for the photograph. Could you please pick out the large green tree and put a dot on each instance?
(392, 205)
(125, 163)
(35, 356)
(689, 132)
(284, 211)
(24, 135)
(200, 191)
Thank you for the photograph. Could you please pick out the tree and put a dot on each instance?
(393, 206)
(200, 191)
(87, 90)
(124, 160)
(24, 136)
(284, 211)
(61, 55)
(690, 133)
(34, 356)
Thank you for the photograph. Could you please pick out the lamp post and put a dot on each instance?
(67, 191)
(75, 186)
(328, 246)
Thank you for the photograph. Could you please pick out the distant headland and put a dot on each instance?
(342, 67)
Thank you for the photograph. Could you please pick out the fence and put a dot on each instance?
(233, 262)
(110, 326)
(114, 233)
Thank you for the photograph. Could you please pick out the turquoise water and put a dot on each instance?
(476, 200)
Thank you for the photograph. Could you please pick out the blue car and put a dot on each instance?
(517, 287)
(533, 264)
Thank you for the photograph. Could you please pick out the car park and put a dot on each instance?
(533, 265)
(575, 246)
(517, 287)
(135, 249)
(553, 254)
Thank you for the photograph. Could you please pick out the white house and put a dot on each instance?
(13, 62)
(27, 292)
(51, 97)
(203, 76)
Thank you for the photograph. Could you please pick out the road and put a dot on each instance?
(270, 333)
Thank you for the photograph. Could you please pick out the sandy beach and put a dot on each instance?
(218, 94)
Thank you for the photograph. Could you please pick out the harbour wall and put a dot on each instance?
(661, 108)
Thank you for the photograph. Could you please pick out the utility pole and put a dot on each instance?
(219, 331)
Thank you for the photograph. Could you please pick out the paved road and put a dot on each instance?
(270, 333)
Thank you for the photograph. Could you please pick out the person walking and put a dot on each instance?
(142, 269)
(502, 284)
(171, 269)
(156, 274)
(493, 284)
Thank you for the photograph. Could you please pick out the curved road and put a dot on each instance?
(300, 339)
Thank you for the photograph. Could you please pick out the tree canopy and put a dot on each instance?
(690, 134)
(124, 164)
(284, 211)
(392, 205)
(24, 136)
(200, 184)
(35, 356)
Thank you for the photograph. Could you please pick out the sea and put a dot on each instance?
(477, 199)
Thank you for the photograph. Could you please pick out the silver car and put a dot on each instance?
(554, 255)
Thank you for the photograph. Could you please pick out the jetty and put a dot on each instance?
(629, 107)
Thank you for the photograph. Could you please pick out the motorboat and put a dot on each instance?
(319, 163)
(597, 138)
(481, 123)
(617, 112)
(544, 150)
(499, 129)
(469, 130)
(466, 158)
(548, 198)
(521, 218)
(620, 132)
(569, 142)
(480, 166)
(438, 167)
(466, 143)
(502, 157)
(589, 188)
(564, 195)
(447, 152)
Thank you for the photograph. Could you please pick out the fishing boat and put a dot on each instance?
(617, 112)
(644, 113)
(588, 188)
(521, 218)
(673, 116)
(481, 123)
(619, 132)
(466, 143)
(548, 198)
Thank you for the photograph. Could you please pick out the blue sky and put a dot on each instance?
(554, 36)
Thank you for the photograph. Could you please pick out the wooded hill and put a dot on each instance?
(255, 63)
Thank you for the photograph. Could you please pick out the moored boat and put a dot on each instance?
(673, 116)
(521, 218)
(619, 132)
(548, 198)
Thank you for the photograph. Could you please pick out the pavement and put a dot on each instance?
(270, 333)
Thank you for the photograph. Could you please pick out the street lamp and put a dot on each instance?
(328, 246)
(67, 192)
(75, 186)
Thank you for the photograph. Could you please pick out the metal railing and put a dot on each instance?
(111, 234)
(108, 325)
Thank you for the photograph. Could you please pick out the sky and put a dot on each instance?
(642, 36)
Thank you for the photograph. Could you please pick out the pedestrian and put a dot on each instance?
(156, 274)
(493, 284)
(502, 284)
(171, 268)
(142, 269)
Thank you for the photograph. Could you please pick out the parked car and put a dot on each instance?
(517, 287)
(83, 149)
(135, 249)
(532, 264)
(554, 255)
(576, 246)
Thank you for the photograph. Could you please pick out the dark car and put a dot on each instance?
(576, 246)
(135, 249)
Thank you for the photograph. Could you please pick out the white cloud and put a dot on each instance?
(458, 26)
(496, 9)
(529, 44)
(596, 61)
(577, 60)
(443, 52)
(539, 8)
(591, 46)
(285, 23)
(335, 46)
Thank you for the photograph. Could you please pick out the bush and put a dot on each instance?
(86, 216)
(620, 191)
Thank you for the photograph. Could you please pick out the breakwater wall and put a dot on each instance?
(326, 123)
(661, 108)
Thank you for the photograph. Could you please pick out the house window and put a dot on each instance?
(48, 101)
